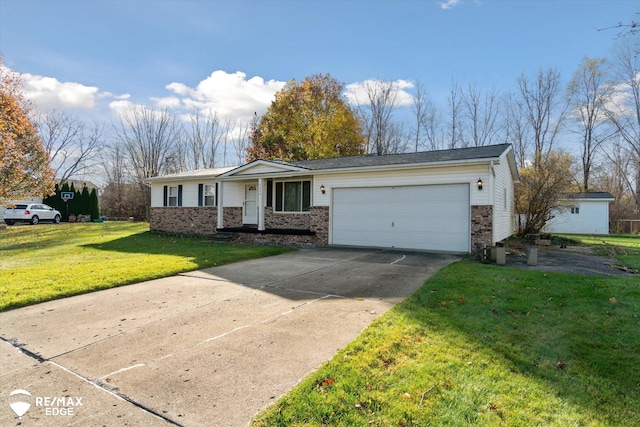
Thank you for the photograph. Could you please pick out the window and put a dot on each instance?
(206, 195)
(173, 196)
(293, 196)
(575, 210)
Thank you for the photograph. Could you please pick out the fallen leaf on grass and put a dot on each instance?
(328, 381)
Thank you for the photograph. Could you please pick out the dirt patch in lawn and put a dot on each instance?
(570, 259)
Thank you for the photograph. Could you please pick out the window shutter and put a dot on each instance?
(306, 196)
(269, 193)
(216, 199)
(166, 196)
(279, 198)
(200, 194)
(179, 195)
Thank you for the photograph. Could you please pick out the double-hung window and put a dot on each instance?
(173, 196)
(293, 196)
(575, 210)
(209, 195)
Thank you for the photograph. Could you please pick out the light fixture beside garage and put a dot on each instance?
(479, 183)
(322, 189)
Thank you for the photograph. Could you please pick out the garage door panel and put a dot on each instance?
(414, 217)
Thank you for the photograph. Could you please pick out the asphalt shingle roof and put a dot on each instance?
(457, 154)
(591, 195)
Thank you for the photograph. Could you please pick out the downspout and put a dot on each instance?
(492, 174)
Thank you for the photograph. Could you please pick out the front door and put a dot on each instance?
(250, 206)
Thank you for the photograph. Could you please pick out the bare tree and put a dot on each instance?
(454, 124)
(624, 110)
(149, 138)
(426, 131)
(240, 141)
(589, 91)
(381, 134)
(542, 104)
(72, 143)
(206, 137)
(481, 113)
(516, 129)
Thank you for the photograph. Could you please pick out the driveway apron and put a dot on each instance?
(209, 347)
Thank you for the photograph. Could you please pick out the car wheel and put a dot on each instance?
(34, 220)
(56, 220)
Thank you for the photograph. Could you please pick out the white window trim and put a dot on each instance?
(171, 196)
(283, 181)
(211, 193)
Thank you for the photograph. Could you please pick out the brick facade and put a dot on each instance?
(481, 227)
(199, 221)
(292, 221)
(232, 217)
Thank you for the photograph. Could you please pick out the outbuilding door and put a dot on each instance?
(431, 217)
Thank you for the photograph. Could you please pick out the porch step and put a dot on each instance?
(222, 237)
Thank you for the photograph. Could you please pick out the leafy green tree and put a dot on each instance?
(308, 120)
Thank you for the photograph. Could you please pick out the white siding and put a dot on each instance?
(503, 202)
(261, 169)
(189, 192)
(233, 194)
(592, 219)
(449, 175)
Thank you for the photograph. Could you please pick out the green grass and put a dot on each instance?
(47, 262)
(625, 247)
(485, 345)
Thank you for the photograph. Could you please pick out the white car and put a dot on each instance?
(32, 213)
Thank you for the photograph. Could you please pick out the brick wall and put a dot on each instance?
(481, 227)
(184, 220)
(319, 223)
(276, 239)
(232, 217)
(294, 221)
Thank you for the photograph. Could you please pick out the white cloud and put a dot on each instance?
(48, 93)
(167, 102)
(229, 94)
(357, 93)
(449, 4)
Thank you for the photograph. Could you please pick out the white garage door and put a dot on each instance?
(434, 217)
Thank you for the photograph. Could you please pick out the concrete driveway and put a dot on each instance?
(210, 347)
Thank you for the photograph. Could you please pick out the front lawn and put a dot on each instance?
(44, 262)
(485, 345)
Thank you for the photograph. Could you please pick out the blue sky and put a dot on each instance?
(96, 56)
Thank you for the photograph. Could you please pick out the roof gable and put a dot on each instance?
(261, 167)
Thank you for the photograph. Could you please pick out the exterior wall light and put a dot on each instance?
(479, 183)
(322, 189)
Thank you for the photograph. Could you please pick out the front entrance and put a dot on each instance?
(250, 206)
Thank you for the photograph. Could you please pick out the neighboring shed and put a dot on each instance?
(585, 213)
